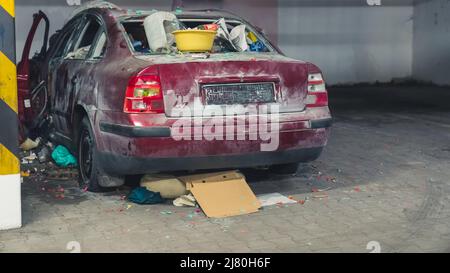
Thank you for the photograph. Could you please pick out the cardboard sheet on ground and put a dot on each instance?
(222, 194)
(274, 199)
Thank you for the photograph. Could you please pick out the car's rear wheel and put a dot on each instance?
(87, 159)
(290, 168)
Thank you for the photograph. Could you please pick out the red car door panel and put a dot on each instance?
(32, 92)
(61, 78)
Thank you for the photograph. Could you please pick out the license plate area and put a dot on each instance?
(238, 93)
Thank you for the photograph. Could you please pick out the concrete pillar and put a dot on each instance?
(10, 200)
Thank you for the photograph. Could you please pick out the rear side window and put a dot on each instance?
(136, 34)
(100, 47)
(65, 37)
(62, 45)
(86, 40)
(89, 34)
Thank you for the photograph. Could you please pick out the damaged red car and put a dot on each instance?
(124, 108)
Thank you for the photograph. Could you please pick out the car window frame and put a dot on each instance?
(82, 31)
(88, 17)
(75, 36)
(102, 29)
(90, 56)
(71, 26)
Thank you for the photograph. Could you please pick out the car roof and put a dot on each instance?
(209, 13)
(140, 14)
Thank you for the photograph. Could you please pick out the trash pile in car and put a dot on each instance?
(167, 34)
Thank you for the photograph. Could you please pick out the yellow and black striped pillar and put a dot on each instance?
(10, 201)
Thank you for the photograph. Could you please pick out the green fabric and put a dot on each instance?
(145, 197)
(63, 158)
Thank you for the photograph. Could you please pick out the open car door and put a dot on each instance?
(31, 80)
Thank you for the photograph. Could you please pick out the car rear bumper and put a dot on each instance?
(133, 131)
(126, 165)
(140, 144)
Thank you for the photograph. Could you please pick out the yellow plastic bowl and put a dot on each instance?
(193, 40)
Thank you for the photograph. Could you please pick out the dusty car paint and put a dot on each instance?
(96, 89)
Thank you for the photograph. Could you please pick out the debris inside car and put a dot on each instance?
(162, 28)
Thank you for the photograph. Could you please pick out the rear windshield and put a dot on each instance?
(138, 42)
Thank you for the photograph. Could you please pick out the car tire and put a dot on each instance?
(89, 171)
(285, 169)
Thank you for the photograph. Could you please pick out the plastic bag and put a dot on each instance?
(158, 28)
(185, 201)
(222, 30)
(63, 158)
(238, 37)
(143, 196)
(29, 144)
(258, 47)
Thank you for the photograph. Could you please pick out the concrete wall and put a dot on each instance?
(349, 40)
(57, 14)
(432, 41)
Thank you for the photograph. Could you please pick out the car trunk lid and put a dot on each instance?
(196, 82)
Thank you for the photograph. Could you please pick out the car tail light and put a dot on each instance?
(144, 95)
(317, 92)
